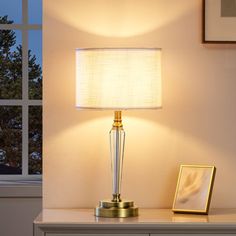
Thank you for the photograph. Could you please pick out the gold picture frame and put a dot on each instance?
(194, 189)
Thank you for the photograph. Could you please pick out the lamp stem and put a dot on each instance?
(117, 142)
(117, 119)
(116, 207)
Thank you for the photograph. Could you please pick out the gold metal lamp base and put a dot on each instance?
(110, 208)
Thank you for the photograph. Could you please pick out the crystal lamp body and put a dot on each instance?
(116, 207)
(117, 142)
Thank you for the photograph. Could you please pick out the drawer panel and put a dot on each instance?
(192, 234)
(65, 234)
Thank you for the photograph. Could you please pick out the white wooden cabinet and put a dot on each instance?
(150, 222)
(134, 234)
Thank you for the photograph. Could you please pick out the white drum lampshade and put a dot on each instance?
(118, 78)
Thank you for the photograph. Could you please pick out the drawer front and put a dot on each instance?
(65, 234)
(193, 234)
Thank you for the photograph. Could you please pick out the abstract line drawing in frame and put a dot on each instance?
(194, 189)
(219, 21)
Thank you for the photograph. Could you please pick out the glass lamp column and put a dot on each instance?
(116, 207)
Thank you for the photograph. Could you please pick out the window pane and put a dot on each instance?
(10, 64)
(10, 139)
(12, 9)
(35, 140)
(35, 64)
(35, 11)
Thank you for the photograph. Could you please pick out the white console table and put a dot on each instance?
(150, 222)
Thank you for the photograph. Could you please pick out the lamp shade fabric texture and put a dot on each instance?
(118, 78)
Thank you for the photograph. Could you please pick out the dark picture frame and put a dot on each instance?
(216, 37)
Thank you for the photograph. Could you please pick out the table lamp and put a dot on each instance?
(118, 79)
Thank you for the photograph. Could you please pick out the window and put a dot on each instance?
(20, 89)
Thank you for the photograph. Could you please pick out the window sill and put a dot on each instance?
(20, 189)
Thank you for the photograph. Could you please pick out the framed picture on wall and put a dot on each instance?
(194, 189)
(219, 21)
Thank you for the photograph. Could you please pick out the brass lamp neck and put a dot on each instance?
(117, 119)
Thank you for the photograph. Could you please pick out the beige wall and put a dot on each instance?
(195, 126)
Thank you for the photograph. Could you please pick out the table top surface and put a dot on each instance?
(146, 216)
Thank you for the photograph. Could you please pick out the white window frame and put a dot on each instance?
(24, 102)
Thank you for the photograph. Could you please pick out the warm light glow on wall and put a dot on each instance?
(120, 18)
(195, 126)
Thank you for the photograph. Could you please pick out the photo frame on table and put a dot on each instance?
(194, 189)
(219, 21)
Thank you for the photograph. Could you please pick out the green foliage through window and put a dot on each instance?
(11, 116)
(10, 139)
(35, 140)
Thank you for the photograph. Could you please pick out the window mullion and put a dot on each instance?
(20, 27)
(25, 12)
(25, 145)
(25, 108)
